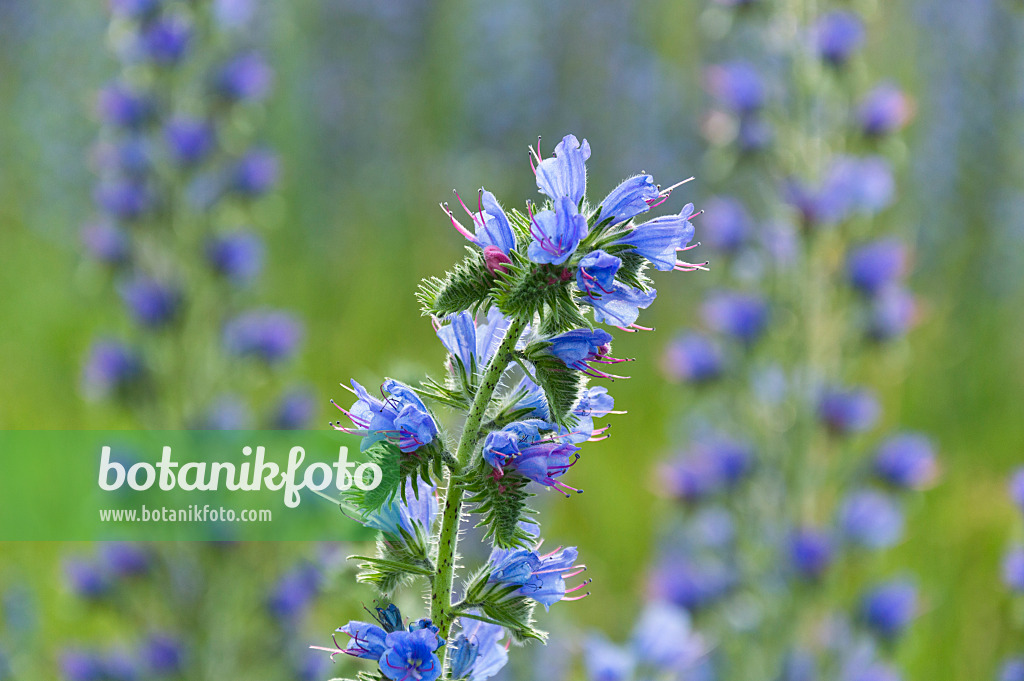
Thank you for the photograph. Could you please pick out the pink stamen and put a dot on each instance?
(472, 216)
(691, 267)
(456, 224)
(581, 585)
(579, 570)
(576, 598)
(688, 248)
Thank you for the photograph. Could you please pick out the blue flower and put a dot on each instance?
(565, 174)
(736, 85)
(120, 105)
(125, 559)
(594, 403)
(884, 110)
(245, 77)
(236, 255)
(78, 665)
(726, 224)
(293, 410)
(892, 313)
(472, 344)
(631, 198)
(493, 232)
(811, 552)
(413, 515)
(367, 640)
(1013, 569)
(540, 577)
(907, 461)
(871, 519)
(799, 665)
(876, 265)
(124, 198)
(477, 652)
(576, 348)
(165, 40)
(163, 655)
(87, 579)
(889, 608)
(605, 661)
(1012, 670)
(693, 358)
(106, 242)
(134, 9)
(129, 156)
(190, 140)
(744, 316)
(691, 583)
(152, 303)
(227, 412)
(110, 368)
(401, 418)
(715, 464)
(689, 478)
(270, 335)
(851, 185)
(659, 240)
(294, 591)
(875, 671)
(411, 655)
(255, 173)
(557, 233)
(663, 638)
(838, 34)
(519, 447)
(848, 410)
(613, 302)
(1017, 488)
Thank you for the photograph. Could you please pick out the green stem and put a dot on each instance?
(441, 610)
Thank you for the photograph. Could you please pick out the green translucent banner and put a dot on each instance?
(96, 485)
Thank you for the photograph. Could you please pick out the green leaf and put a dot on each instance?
(466, 287)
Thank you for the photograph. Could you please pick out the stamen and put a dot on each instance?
(576, 598)
(472, 216)
(666, 192)
(456, 224)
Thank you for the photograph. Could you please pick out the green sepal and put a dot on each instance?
(398, 560)
(396, 467)
(502, 504)
(514, 614)
(447, 395)
(562, 386)
(466, 287)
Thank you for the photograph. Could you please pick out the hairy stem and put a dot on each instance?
(441, 609)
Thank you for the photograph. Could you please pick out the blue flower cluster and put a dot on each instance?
(807, 289)
(1013, 575)
(520, 354)
(167, 179)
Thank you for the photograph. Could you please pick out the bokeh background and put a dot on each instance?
(381, 107)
